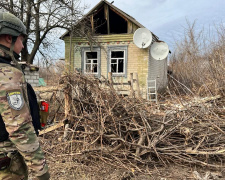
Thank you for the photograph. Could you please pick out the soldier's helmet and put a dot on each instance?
(11, 25)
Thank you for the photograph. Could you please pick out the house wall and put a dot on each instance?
(158, 71)
(137, 61)
(69, 61)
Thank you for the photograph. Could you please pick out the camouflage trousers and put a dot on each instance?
(17, 170)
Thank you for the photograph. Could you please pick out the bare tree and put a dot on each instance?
(41, 17)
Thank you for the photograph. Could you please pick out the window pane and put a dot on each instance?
(113, 61)
(91, 55)
(95, 69)
(120, 65)
(88, 68)
(88, 61)
(117, 54)
(95, 61)
(113, 68)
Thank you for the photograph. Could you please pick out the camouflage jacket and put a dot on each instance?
(14, 109)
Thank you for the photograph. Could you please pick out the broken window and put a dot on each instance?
(117, 60)
(91, 61)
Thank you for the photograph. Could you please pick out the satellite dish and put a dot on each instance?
(142, 38)
(159, 50)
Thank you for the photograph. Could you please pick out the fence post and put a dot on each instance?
(131, 85)
(138, 87)
(68, 102)
(110, 77)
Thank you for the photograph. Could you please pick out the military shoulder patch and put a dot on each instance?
(15, 100)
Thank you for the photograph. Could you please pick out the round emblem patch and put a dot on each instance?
(15, 100)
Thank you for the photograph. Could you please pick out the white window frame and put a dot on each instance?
(83, 60)
(92, 63)
(113, 49)
(117, 62)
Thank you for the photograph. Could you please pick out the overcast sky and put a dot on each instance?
(167, 18)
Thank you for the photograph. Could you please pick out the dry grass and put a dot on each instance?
(199, 63)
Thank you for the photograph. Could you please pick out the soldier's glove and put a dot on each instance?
(45, 176)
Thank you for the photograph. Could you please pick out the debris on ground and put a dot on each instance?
(132, 135)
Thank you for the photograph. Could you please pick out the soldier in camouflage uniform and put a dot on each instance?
(18, 141)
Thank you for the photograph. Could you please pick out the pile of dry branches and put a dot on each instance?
(134, 133)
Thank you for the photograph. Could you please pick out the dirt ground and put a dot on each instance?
(101, 171)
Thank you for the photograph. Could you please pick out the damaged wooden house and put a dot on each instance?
(103, 45)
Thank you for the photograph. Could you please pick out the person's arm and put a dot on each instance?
(16, 116)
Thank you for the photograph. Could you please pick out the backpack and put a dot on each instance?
(34, 108)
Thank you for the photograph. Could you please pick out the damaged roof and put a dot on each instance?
(99, 5)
